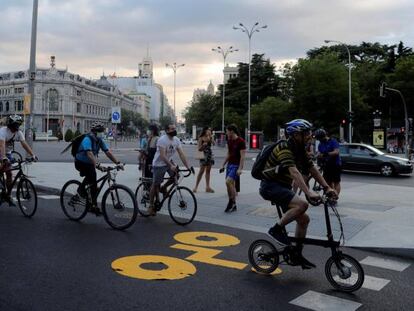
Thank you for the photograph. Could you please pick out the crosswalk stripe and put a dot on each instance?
(48, 196)
(370, 282)
(322, 302)
(384, 263)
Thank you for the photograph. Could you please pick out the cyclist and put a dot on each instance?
(8, 135)
(287, 162)
(167, 145)
(328, 156)
(86, 162)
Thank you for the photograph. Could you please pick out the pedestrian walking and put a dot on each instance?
(205, 142)
(236, 153)
(148, 152)
(329, 159)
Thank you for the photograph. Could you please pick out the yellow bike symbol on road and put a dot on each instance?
(199, 242)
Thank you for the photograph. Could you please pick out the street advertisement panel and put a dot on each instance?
(378, 138)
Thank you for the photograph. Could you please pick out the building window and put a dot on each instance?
(1, 106)
(7, 106)
(52, 98)
(78, 93)
(78, 108)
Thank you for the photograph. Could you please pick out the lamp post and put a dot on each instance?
(174, 67)
(249, 32)
(349, 87)
(224, 53)
(32, 74)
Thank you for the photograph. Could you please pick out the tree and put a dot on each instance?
(269, 114)
(204, 111)
(165, 121)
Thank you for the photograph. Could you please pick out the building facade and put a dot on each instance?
(62, 100)
(230, 73)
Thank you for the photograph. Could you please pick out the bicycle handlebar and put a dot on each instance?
(189, 171)
(105, 169)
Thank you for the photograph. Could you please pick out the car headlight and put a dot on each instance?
(401, 162)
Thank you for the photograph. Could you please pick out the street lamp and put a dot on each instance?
(32, 73)
(350, 87)
(224, 53)
(249, 33)
(174, 67)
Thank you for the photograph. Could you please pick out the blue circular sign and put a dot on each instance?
(116, 116)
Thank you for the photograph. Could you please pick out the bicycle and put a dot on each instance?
(118, 214)
(26, 193)
(342, 271)
(182, 204)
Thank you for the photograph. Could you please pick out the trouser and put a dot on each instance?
(89, 172)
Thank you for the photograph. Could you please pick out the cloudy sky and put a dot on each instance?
(92, 36)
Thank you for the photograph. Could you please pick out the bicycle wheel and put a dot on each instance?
(182, 205)
(72, 204)
(16, 156)
(263, 256)
(26, 197)
(344, 273)
(119, 207)
(142, 198)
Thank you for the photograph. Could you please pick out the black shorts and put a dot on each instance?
(332, 174)
(278, 193)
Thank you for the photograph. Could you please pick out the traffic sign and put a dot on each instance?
(116, 114)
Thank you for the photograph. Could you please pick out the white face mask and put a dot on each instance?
(149, 132)
(100, 135)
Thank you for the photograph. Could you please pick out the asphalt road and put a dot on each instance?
(51, 152)
(51, 263)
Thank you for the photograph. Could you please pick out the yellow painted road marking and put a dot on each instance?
(131, 266)
(206, 255)
(193, 238)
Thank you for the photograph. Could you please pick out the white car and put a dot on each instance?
(189, 141)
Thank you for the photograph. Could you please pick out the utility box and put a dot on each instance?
(256, 140)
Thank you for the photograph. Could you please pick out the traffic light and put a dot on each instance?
(350, 116)
(254, 142)
(402, 129)
(343, 122)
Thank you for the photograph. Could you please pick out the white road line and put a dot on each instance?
(384, 263)
(321, 302)
(48, 196)
(370, 282)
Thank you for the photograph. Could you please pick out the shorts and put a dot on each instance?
(332, 174)
(278, 193)
(231, 171)
(158, 173)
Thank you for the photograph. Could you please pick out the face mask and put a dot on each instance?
(149, 133)
(100, 135)
(173, 133)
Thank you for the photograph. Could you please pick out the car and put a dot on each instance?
(362, 157)
(189, 141)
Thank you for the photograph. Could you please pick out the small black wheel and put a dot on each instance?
(387, 170)
(26, 197)
(142, 197)
(16, 156)
(344, 272)
(119, 207)
(263, 256)
(73, 206)
(182, 205)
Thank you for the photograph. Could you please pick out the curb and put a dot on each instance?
(48, 190)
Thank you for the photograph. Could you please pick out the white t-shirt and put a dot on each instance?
(170, 146)
(9, 137)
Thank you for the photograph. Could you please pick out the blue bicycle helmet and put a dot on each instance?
(298, 125)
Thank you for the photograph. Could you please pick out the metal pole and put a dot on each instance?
(248, 113)
(32, 74)
(224, 92)
(350, 95)
(47, 122)
(174, 91)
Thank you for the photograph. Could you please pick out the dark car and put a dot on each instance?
(361, 157)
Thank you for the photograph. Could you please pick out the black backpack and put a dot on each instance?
(261, 159)
(76, 142)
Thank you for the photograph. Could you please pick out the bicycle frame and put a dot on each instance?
(105, 178)
(19, 175)
(329, 243)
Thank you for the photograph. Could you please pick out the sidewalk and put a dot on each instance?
(375, 216)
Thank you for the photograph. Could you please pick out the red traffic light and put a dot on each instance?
(343, 121)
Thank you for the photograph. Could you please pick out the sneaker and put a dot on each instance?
(94, 209)
(11, 202)
(229, 206)
(233, 208)
(306, 264)
(279, 234)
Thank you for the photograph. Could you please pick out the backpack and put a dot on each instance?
(261, 159)
(76, 142)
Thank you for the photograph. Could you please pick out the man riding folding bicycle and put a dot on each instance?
(285, 164)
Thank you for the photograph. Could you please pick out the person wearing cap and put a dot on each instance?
(86, 161)
(288, 162)
(8, 135)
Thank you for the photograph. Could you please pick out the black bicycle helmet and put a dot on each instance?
(320, 134)
(97, 126)
(14, 121)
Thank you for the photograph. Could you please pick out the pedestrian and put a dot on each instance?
(329, 158)
(205, 142)
(151, 149)
(236, 153)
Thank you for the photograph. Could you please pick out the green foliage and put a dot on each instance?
(205, 111)
(77, 133)
(131, 121)
(68, 135)
(165, 121)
